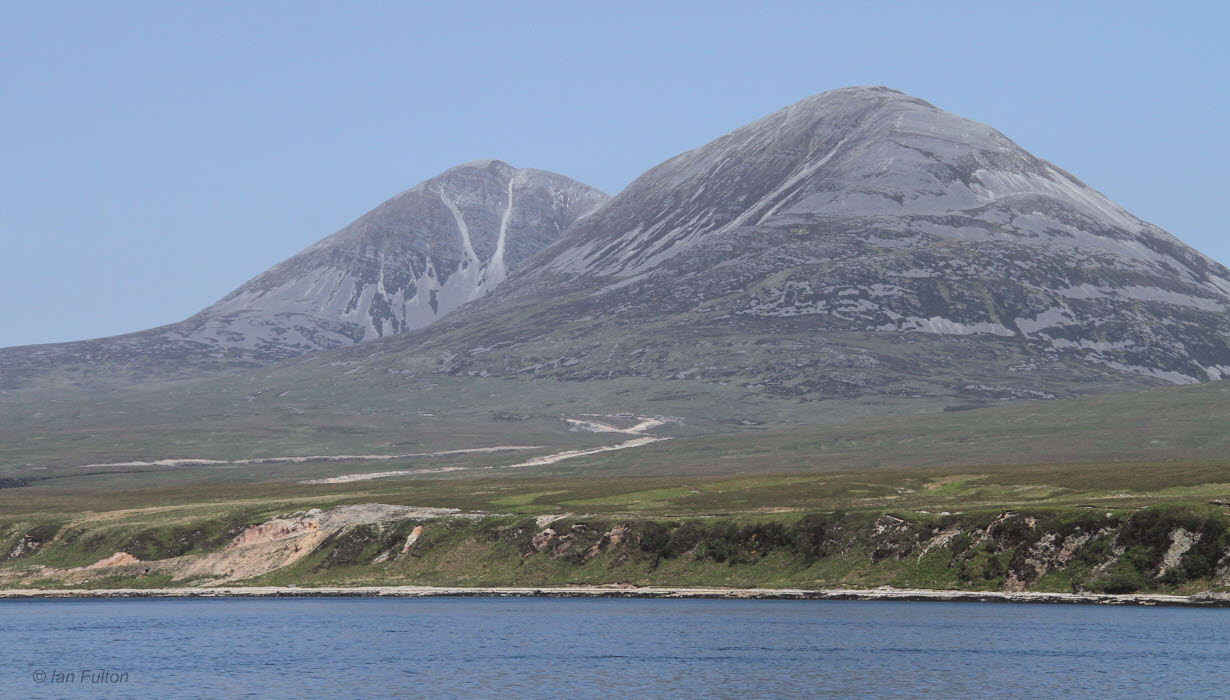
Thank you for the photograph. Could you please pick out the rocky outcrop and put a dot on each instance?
(25, 545)
(274, 530)
(117, 559)
(413, 537)
(1114, 552)
(1181, 542)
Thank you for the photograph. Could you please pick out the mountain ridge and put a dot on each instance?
(859, 246)
(412, 259)
(854, 220)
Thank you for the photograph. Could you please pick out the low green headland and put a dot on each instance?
(1084, 527)
(1115, 493)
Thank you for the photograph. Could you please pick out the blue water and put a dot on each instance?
(585, 648)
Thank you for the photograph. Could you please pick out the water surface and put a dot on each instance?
(594, 648)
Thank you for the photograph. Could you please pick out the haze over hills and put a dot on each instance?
(860, 252)
(409, 261)
(860, 243)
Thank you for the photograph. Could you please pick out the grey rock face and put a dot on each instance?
(840, 236)
(421, 254)
(408, 262)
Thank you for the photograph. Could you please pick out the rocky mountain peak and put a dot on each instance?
(858, 151)
(403, 265)
(854, 226)
(442, 243)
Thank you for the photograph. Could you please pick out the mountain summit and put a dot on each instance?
(860, 247)
(859, 243)
(401, 266)
(406, 263)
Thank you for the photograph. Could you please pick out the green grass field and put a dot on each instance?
(48, 447)
(1126, 492)
(1096, 484)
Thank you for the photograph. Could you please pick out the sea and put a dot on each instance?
(605, 648)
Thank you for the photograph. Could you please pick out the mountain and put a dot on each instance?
(401, 266)
(858, 253)
(859, 244)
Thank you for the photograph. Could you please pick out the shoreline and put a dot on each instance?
(1206, 600)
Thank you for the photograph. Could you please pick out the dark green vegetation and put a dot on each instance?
(1046, 550)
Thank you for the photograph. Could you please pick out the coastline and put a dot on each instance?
(1206, 600)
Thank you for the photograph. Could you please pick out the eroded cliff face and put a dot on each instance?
(1159, 548)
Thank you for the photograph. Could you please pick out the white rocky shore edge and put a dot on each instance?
(619, 591)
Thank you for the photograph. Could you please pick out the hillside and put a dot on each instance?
(858, 245)
(858, 254)
(401, 266)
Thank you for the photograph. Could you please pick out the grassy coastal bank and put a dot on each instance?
(1109, 529)
(1095, 496)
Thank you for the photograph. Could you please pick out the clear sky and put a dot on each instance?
(153, 156)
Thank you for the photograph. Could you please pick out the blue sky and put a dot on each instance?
(153, 156)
